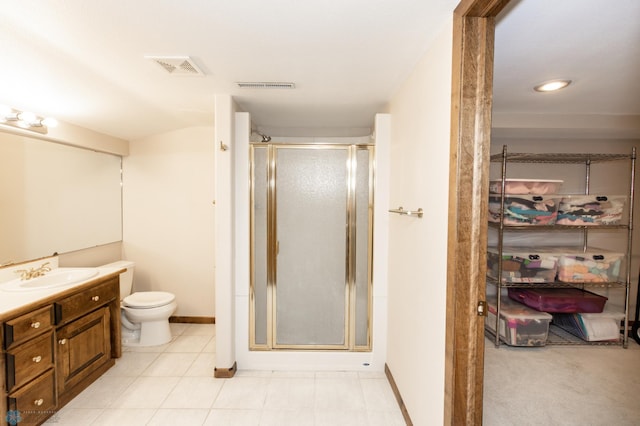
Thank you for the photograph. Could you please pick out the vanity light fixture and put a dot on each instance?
(25, 120)
(552, 85)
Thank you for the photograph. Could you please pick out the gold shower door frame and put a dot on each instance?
(272, 249)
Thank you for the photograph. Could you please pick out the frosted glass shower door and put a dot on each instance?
(311, 247)
(311, 291)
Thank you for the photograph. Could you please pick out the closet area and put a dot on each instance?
(560, 248)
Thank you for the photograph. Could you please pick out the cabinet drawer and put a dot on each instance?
(27, 326)
(36, 401)
(29, 360)
(79, 304)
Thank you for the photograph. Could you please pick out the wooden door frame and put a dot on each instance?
(471, 93)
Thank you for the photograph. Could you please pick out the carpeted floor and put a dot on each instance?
(559, 385)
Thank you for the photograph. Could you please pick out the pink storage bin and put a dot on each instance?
(526, 186)
(559, 300)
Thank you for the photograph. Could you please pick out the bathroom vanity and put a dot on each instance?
(55, 343)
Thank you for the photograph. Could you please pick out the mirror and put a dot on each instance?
(56, 198)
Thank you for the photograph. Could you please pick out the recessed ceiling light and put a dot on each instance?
(552, 85)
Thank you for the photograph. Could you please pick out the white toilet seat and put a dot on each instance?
(148, 299)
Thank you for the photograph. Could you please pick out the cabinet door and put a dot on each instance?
(82, 347)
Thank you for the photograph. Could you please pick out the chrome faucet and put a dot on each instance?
(27, 274)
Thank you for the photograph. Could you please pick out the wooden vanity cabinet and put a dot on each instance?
(83, 347)
(29, 367)
(77, 305)
(56, 348)
(28, 361)
(35, 402)
(27, 326)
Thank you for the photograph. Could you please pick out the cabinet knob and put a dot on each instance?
(62, 341)
(95, 298)
(35, 324)
(38, 402)
(37, 359)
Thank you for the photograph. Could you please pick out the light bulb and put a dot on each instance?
(28, 117)
(50, 122)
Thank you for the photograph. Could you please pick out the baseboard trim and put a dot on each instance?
(396, 392)
(225, 373)
(193, 320)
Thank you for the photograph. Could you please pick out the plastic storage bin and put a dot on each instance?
(522, 265)
(526, 186)
(525, 209)
(592, 266)
(519, 325)
(591, 209)
(591, 327)
(559, 300)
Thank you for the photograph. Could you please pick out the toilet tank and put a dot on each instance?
(126, 278)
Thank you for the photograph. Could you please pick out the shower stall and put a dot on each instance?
(311, 248)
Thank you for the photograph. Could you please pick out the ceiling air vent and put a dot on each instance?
(265, 85)
(177, 65)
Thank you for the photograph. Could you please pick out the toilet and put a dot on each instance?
(144, 314)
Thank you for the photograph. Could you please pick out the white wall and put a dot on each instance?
(420, 123)
(168, 216)
(94, 256)
(224, 243)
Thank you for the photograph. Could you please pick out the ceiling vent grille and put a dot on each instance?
(177, 65)
(265, 85)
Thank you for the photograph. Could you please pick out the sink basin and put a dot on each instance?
(55, 278)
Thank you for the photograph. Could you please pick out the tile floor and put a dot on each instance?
(174, 384)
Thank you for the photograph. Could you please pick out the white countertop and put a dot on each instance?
(12, 300)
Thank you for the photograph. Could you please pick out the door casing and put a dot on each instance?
(471, 93)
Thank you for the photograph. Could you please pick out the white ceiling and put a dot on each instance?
(594, 43)
(83, 61)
